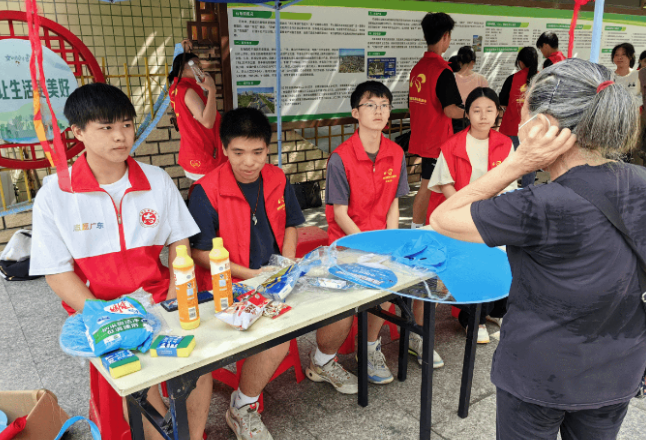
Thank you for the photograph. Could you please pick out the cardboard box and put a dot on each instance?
(44, 416)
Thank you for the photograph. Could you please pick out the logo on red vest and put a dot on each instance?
(281, 203)
(389, 176)
(195, 163)
(148, 218)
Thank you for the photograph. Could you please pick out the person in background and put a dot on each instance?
(512, 97)
(512, 94)
(454, 64)
(623, 56)
(467, 80)
(200, 148)
(572, 351)
(434, 99)
(642, 61)
(466, 157)
(548, 44)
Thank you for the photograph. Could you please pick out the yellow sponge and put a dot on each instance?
(174, 346)
(121, 363)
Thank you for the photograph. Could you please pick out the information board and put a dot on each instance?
(330, 46)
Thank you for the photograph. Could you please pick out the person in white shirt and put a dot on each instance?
(99, 235)
(623, 56)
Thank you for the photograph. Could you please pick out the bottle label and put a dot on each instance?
(222, 287)
(186, 288)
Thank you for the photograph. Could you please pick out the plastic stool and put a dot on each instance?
(106, 409)
(291, 360)
(349, 345)
(309, 238)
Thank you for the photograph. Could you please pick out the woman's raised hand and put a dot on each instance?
(542, 146)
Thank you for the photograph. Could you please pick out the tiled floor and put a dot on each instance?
(31, 319)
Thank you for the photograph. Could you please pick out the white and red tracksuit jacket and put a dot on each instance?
(113, 249)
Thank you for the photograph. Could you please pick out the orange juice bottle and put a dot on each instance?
(186, 288)
(221, 275)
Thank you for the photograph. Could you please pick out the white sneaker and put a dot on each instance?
(497, 321)
(378, 371)
(483, 334)
(245, 422)
(415, 348)
(334, 374)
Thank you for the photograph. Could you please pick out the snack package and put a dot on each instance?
(275, 309)
(278, 286)
(120, 323)
(243, 314)
(240, 290)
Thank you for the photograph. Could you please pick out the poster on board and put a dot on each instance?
(330, 46)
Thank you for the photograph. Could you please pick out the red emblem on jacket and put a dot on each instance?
(148, 218)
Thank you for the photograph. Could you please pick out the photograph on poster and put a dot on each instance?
(380, 68)
(352, 60)
(261, 98)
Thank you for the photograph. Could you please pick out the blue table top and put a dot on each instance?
(472, 272)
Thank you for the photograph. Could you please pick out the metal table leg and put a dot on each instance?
(404, 333)
(136, 419)
(427, 371)
(469, 360)
(179, 389)
(362, 355)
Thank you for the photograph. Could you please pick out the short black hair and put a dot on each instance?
(549, 38)
(435, 26)
(642, 55)
(482, 92)
(249, 123)
(98, 102)
(630, 52)
(373, 88)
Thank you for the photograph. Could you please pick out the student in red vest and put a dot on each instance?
(466, 157)
(253, 207)
(434, 100)
(366, 175)
(512, 94)
(548, 44)
(200, 148)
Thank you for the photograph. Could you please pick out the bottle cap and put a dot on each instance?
(181, 251)
(191, 63)
(217, 242)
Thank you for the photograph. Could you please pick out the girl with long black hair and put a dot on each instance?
(512, 95)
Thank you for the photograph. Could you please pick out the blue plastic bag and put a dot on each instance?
(121, 323)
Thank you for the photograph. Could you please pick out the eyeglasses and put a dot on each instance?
(373, 107)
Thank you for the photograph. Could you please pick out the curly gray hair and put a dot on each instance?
(606, 122)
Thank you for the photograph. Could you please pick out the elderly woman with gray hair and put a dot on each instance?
(573, 343)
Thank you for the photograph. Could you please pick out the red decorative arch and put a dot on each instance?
(76, 54)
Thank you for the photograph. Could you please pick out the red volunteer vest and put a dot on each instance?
(457, 159)
(234, 213)
(557, 57)
(430, 127)
(373, 187)
(511, 118)
(198, 145)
